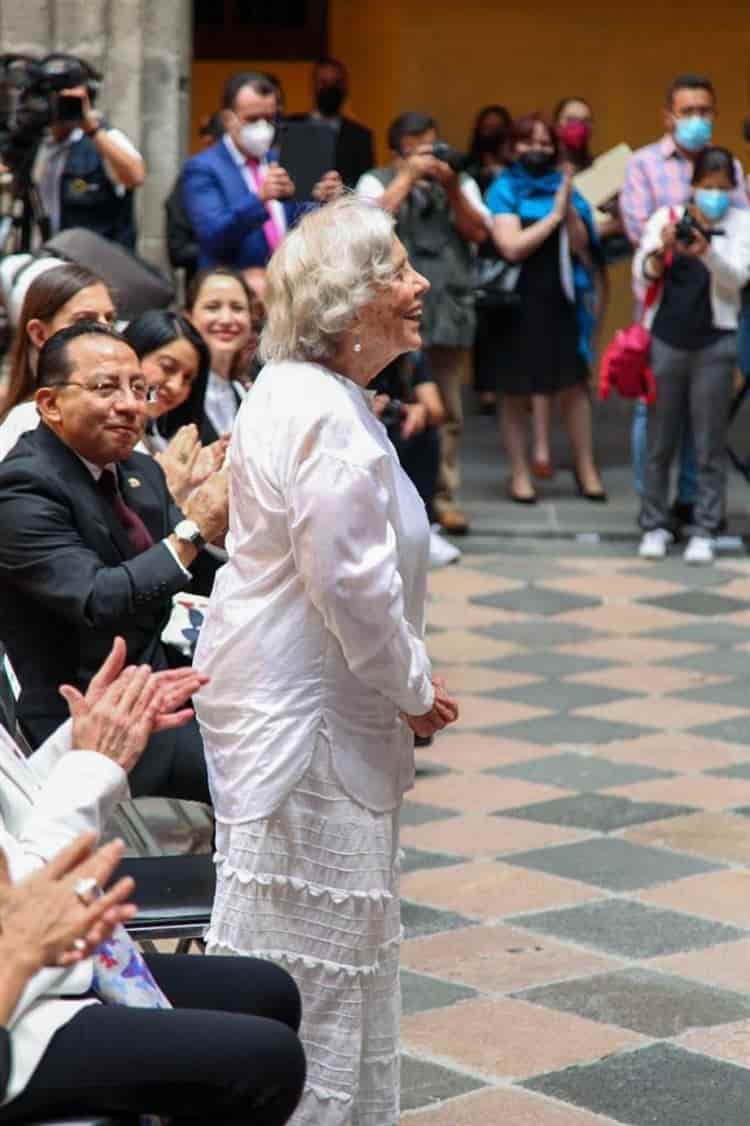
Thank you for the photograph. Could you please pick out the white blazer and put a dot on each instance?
(727, 259)
(46, 801)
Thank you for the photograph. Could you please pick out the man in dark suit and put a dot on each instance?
(92, 545)
(239, 201)
(354, 152)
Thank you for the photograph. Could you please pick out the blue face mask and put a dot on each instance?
(713, 202)
(693, 133)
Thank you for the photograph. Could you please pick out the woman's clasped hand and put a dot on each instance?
(443, 712)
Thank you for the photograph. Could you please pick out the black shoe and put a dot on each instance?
(599, 497)
(531, 499)
(423, 740)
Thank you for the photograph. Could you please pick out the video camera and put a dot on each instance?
(456, 160)
(30, 101)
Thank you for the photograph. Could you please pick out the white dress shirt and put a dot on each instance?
(220, 403)
(316, 623)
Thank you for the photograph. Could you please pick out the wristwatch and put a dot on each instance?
(189, 532)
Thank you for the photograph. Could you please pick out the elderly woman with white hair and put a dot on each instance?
(314, 642)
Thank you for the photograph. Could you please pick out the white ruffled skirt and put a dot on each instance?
(316, 888)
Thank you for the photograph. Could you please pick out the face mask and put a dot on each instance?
(693, 133)
(537, 163)
(575, 135)
(491, 142)
(329, 100)
(255, 139)
(713, 202)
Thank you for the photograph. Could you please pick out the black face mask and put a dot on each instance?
(329, 100)
(491, 142)
(537, 163)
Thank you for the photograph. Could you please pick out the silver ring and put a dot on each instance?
(87, 890)
(79, 944)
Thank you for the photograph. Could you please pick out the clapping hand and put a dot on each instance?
(46, 921)
(123, 707)
(179, 461)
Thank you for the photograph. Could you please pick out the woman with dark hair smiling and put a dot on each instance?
(542, 223)
(228, 315)
(57, 298)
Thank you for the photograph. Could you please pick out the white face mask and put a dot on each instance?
(255, 138)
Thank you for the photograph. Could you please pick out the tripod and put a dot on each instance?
(23, 214)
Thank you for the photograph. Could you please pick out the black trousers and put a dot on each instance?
(172, 766)
(420, 461)
(228, 1053)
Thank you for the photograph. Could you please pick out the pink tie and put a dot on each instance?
(270, 227)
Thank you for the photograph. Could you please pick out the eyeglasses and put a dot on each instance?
(110, 389)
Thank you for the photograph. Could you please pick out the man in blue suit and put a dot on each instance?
(240, 203)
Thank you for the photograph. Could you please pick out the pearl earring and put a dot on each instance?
(357, 345)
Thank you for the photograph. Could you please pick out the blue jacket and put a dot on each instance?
(226, 217)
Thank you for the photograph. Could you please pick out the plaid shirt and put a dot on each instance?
(657, 176)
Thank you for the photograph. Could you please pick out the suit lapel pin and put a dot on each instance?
(134, 482)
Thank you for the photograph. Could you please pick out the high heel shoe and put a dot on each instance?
(530, 499)
(598, 496)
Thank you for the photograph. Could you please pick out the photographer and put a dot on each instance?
(86, 172)
(700, 255)
(439, 215)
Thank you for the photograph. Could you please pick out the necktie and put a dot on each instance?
(136, 530)
(270, 227)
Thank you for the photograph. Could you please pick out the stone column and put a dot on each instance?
(143, 50)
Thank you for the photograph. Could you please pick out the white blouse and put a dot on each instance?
(22, 417)
(316, 623)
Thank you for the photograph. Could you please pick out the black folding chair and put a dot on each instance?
(174, 896)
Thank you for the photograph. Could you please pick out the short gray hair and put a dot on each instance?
(327, 268)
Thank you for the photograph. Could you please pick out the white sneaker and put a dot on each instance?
(442, 552)
(700, 550)
(654, 544)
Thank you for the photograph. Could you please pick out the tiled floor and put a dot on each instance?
(577, 874)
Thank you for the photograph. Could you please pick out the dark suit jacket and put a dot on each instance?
(355, 152)
(226, 217)
(69, 577)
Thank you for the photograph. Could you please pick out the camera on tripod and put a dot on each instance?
(30, 101)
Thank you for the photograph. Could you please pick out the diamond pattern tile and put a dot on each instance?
(651, 1003)
(611, 863)
(534, 635)
(548, 663)
(657, 1086)
(535, 600)
(576, 868)
(579, 772)
(417, 813)
(629, 929)
(426, 1084)
(703, 603)
(571, 730)
(420, 993)
(562, 695)
(601, 812)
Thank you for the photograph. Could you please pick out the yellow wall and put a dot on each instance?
(450, 58)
